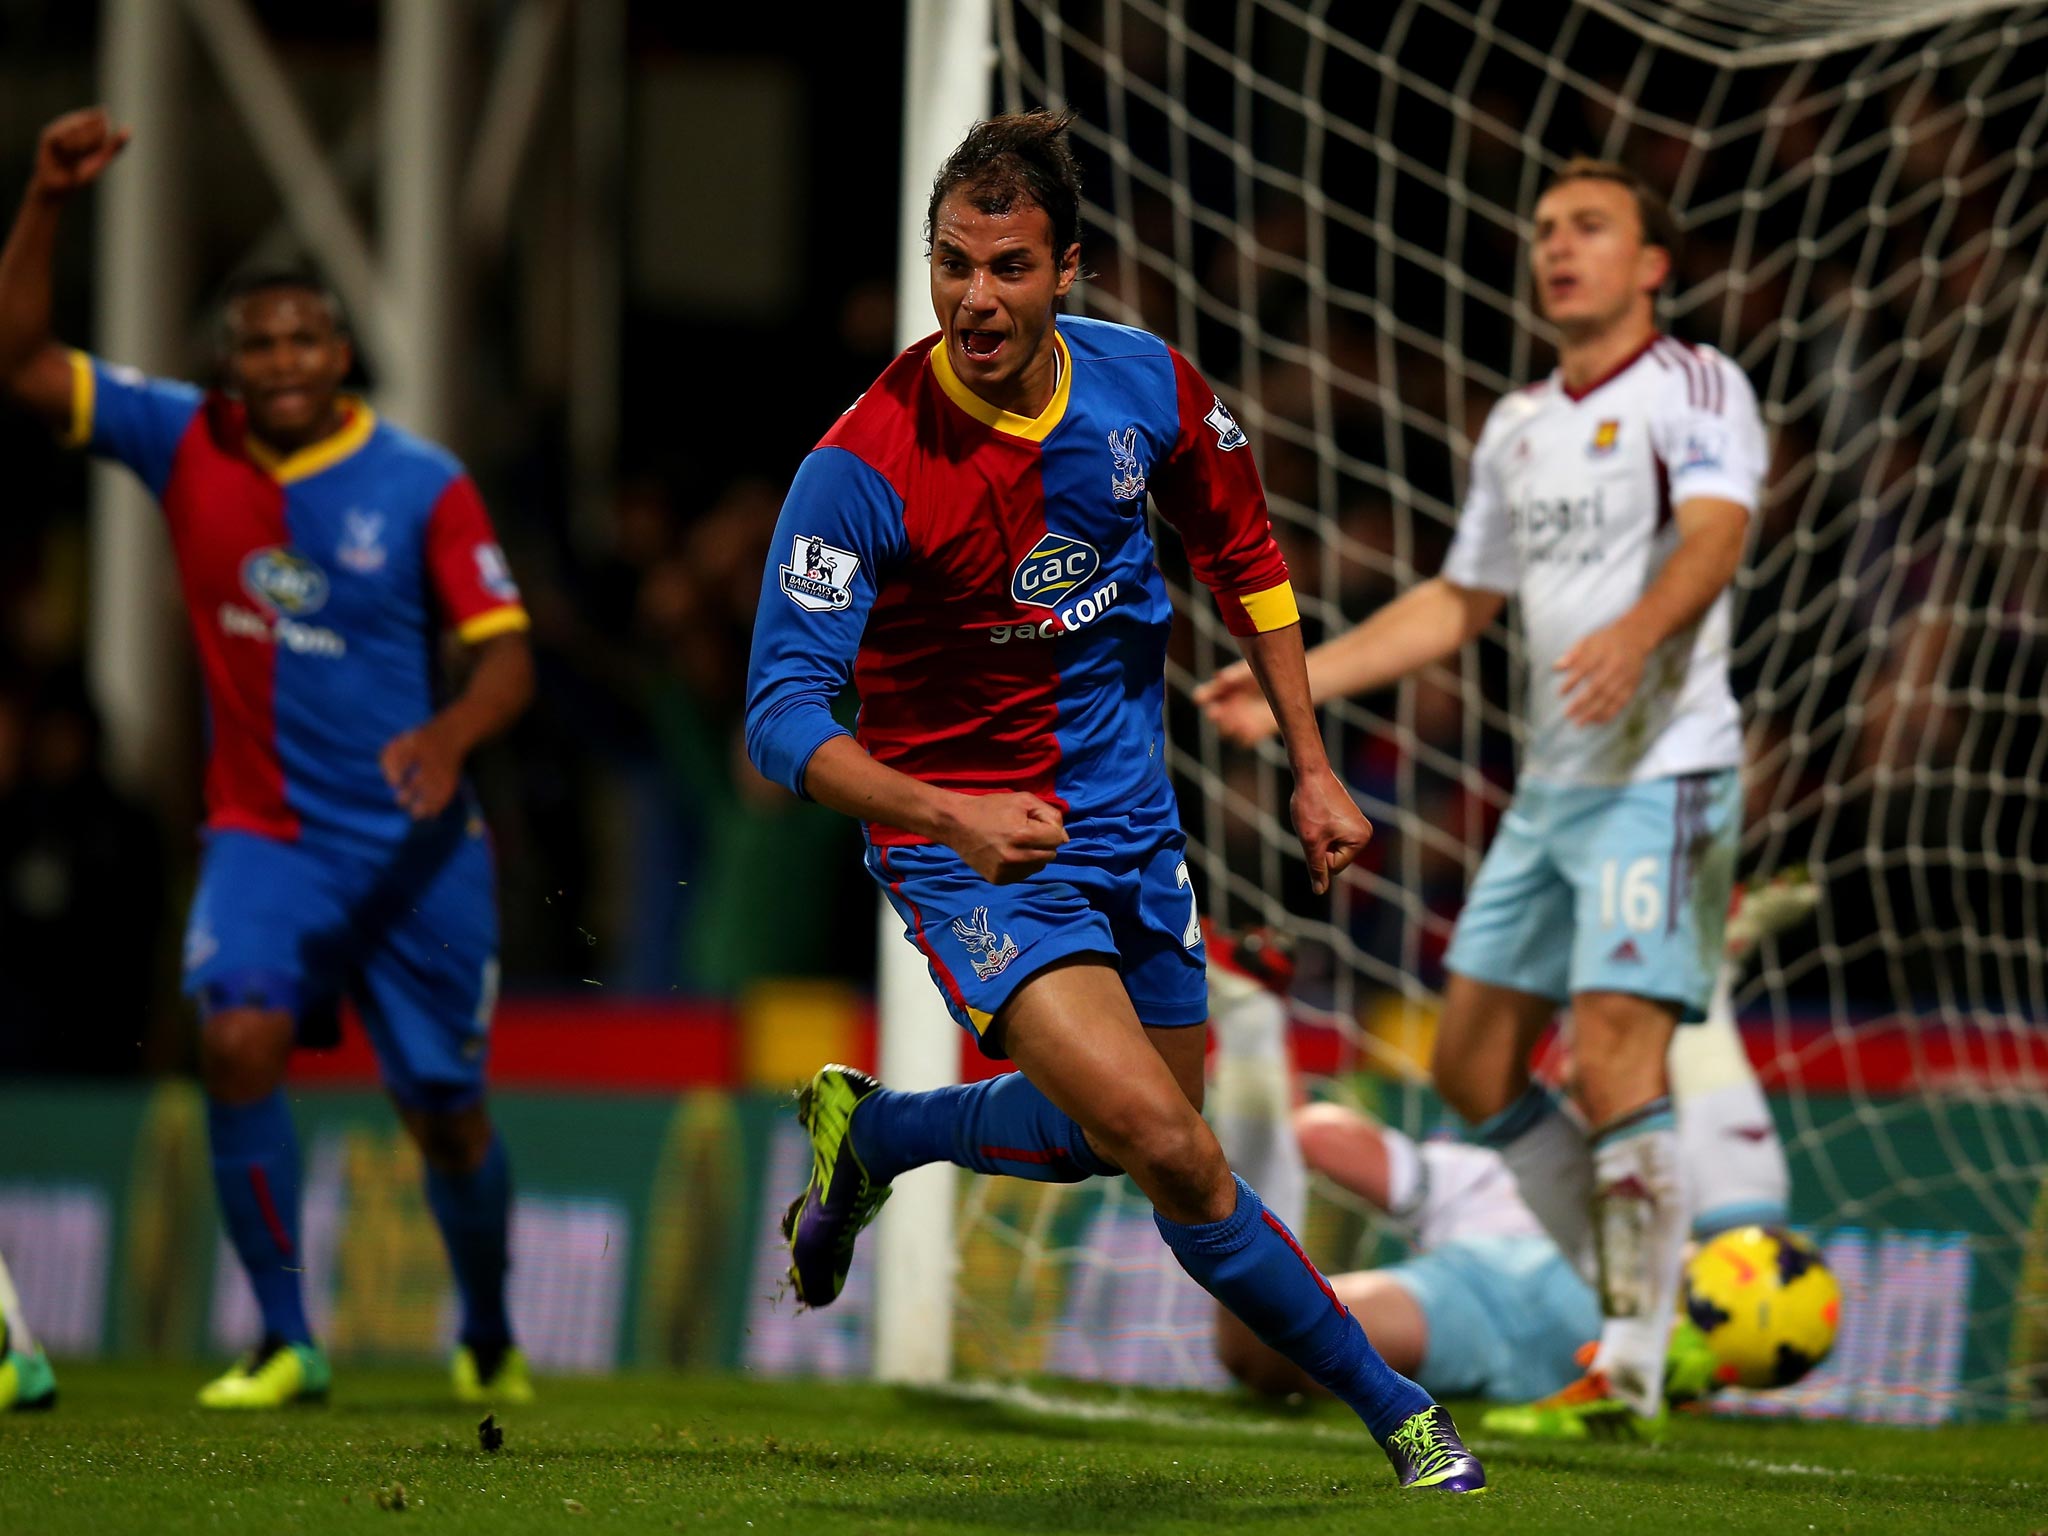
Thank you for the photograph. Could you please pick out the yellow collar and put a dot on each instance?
(325, 454)
(1031, 428)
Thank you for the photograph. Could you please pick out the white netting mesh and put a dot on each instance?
(1323, 205)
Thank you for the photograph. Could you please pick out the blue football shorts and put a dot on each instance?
(409, 935)
(1506, 1317)
(1620, 889)
(981, 941)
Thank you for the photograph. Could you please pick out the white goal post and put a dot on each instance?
(949, 60)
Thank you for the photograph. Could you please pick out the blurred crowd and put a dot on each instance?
(698, 875)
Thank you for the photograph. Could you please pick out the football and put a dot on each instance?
(1767, 1303)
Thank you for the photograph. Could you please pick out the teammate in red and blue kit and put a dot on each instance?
(969, 546)
(321, 552)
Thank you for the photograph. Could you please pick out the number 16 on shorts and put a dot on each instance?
(1637, 875)
(1662, 862)
(1632, 897)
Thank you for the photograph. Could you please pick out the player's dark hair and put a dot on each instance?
(1015, 159)
(248, 284)
(1659, 227)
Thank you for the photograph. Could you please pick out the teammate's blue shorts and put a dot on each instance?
(409, 934)
(1639, 876)
(1506, 1317)
(982, 941)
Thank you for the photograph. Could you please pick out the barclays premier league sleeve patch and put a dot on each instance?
(819, 575)
(1229, 434)
(1706, 449)
(494, 573)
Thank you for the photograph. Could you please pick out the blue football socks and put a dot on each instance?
(256, 1175)
(1251, 1263)
(474, 1213)
(1000, 1125)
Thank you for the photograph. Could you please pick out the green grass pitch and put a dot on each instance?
(125, 1451)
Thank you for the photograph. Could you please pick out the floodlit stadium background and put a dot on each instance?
(629, 260)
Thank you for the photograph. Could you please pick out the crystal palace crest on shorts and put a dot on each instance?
(988, 954)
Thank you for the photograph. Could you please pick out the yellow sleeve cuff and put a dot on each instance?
(1273, 608)
(82, 386)
(495, 622)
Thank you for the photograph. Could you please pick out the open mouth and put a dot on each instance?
(288, 399)
(981, 346)
(1561, 287)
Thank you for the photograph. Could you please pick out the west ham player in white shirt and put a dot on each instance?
(1613, 500)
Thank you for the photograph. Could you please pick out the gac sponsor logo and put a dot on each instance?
(1070, 618)
(1054, 568)
(284, 581)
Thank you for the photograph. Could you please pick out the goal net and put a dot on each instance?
(1323, 205)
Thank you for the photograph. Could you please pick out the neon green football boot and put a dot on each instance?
(1691, 1370)
(840, 1199)
(274, 1375)
(1585, 1410)
(1427, 1454)
(509, 1385)
(26, 1381)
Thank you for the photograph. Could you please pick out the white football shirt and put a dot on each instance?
(1570, 511)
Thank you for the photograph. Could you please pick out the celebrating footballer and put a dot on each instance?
(322, 552)
(968, 545)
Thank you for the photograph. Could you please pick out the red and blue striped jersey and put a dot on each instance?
(317, 587)
(989, 583)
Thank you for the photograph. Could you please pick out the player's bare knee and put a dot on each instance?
(1128, 1123)
(1184, 1170)
(243, 1052)
(1162, 1143)
(1620, 1047)
(1136, 1146)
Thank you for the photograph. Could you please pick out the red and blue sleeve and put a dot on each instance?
(120, 414)
(840, 533)
(472, 580)
(1208, 488)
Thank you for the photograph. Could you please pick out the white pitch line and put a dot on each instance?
(1030, 1400)
(1026, 1399)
